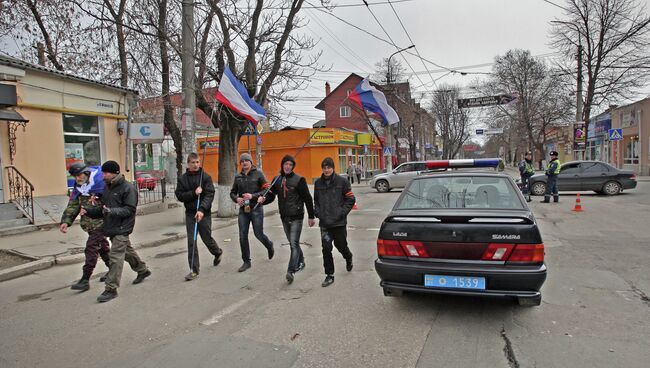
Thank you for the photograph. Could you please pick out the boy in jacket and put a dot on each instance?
(192, 185)
(87, 192)
(120, 201)
(293, 195)
(333, 200)
(247, 191)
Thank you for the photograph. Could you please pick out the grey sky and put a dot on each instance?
(452, 34)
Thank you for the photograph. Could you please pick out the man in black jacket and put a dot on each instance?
(333, 200)
(191, 186)
(247, 191)
(293, 195)
(120, 201)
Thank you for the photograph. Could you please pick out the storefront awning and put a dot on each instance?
(11, 115)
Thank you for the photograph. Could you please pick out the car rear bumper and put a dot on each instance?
(500, 281)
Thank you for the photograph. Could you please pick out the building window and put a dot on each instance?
(631, 150)
(347, 93)
(345, 111)
(343, 160)
(81, 141)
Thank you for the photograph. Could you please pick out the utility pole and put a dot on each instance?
(390, 128)
(579, 95)
(187, 60)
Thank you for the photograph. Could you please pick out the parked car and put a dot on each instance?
(146, 181)
(598, 176)
(400, 176)
(462, 233)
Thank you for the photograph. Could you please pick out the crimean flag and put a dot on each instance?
(373, 100)
(233, 94)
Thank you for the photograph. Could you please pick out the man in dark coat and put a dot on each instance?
(195, 187)
(293, 196)
(333, 200)
(248, 192)
(120, 202)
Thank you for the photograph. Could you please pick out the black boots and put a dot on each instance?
(107, 295)
(348, 264)
(81, 285)
(329, 280)
(141, 276)
(244, 267)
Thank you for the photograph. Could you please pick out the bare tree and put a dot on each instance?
(613, 37)
(452, 123)
(260, 45)
(541, 102)
(393, 73)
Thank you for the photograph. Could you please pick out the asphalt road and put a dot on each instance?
(595, 310)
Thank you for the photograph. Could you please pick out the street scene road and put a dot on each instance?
(594, 311)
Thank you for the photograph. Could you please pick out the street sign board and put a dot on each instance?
(479, 131)
(486, 101)
(145, 132)
(388, 151)
(493, 131)
(249, 130)
(615, 134)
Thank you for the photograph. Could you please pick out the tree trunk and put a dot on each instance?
(229, 135)
(168, 119)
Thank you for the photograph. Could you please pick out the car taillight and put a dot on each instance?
(497, 252)
(633, 177)
(389, 248)
(414, 248)
(527, 253)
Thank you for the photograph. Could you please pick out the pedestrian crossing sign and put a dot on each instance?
(387, 151)
(615, 134)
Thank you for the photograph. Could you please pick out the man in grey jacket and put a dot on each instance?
(120, 201)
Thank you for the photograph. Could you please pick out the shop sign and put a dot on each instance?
(364, 139)
(322, 137)
(579, 135)
(212, 142)
(347, 137)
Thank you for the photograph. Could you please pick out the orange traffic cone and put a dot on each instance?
(578, 207)
(355, 207)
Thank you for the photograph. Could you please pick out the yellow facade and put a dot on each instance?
(44, 98)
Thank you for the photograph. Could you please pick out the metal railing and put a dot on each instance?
(21, 192)
(152, 191)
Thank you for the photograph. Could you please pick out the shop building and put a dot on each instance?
(632, 152)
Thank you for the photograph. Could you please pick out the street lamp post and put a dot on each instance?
(390, 128)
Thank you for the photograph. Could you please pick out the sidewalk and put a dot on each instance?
(49, 247)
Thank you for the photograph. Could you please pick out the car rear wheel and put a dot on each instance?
(393, 292)
(611, 188)
(538, 188)
(530, 301)
(382, 186)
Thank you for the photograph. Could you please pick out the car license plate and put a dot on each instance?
(454, 282)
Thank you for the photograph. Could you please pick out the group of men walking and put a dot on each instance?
(107, 205)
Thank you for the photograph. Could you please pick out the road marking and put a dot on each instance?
(226, 311)
(372, 229)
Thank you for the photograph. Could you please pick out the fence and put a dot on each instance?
(152, 190)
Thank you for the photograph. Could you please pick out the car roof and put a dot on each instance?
(466, 172)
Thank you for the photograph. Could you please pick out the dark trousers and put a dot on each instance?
(337, 235)
(293, 228)
(358, 178)
(525, 185)
(204, 230)
(551, 188)
(256, 216)
(96, 245)
(351, 178)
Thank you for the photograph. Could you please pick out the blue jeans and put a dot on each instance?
(293, 228)
(256, 216)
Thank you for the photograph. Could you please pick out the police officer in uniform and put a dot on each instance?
(552, 171)
(526, 170)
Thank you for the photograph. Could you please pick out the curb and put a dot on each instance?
(45, 263)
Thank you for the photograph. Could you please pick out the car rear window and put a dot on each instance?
(457, 192)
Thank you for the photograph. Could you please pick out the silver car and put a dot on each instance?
(400, 176)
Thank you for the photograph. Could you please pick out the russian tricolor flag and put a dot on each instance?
(233, 94)
(371, 99)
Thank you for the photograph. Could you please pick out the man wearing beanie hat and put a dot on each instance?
(248, 192)
(552, 171)
(293, 195)
(333, 200)
(120, 201)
